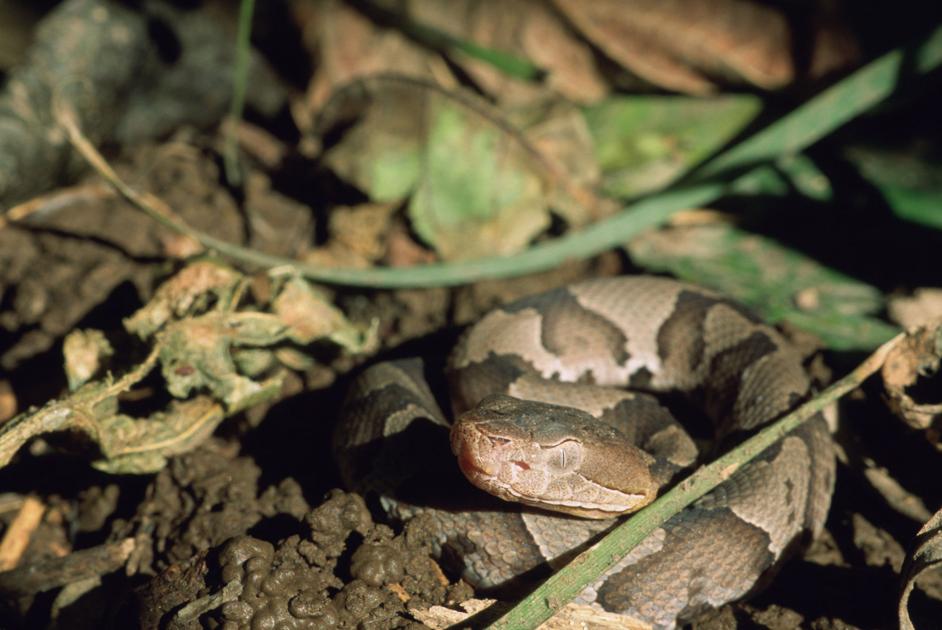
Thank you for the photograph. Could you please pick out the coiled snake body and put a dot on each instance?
(542, 423)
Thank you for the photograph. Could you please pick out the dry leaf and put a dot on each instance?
(357, 236)
(349, 46)
(919, 309)
(915, 358)
(193, 288)
(8, 403)
(691, 45)
(85, 352)
(308, 315)
(441, 617)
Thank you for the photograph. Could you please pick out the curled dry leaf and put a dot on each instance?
(691, 45)
(138, 446)
(926, 555)
(197, 353)
(308, 315)
(915, 359)
(192, 289)
(203, 351)
(81, 411)
(475, 185)
(85, 351)
(127, 445)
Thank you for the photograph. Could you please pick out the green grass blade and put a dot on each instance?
(239, 81)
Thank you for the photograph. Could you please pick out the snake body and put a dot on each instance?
(544, 421)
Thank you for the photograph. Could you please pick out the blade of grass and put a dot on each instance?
(585, 568)
(239, 80)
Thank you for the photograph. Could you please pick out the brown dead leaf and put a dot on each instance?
(85, 353)
(357, 236)
(18, 534)
(691, 45)
(309, 315)
(876, 545)
(529, 29)
(919, 309)
(440, 617)
(916, 358)
(403, 251)
(189, 290)
(895, 495)
(8, 403)
(347, 46)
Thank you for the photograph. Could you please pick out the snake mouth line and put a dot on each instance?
(614, 510)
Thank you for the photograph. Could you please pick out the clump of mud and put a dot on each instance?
(341, 570)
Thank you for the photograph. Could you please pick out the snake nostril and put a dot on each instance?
(521, 465)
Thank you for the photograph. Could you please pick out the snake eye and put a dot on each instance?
(564, 456)
(498, 441)
(561, 458)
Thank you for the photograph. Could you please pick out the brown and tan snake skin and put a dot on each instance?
(561, 435)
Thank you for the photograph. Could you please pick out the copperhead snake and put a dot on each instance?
(544, 422)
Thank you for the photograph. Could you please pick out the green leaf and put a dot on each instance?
(916, 206)
(910, 184)
(644, 143)
(781, 284)
(478, 188)
(474, 199)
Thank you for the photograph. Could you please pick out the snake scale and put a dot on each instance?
(544, 420)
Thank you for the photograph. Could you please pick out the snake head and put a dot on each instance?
(556, 458)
